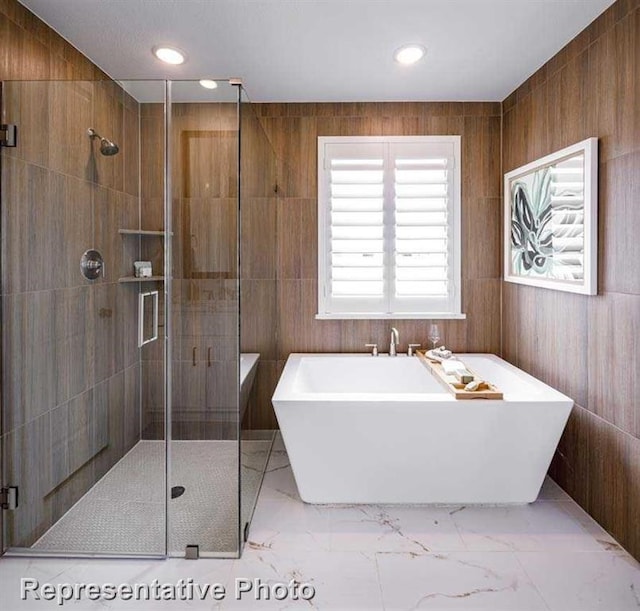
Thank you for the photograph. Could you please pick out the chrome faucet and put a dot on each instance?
(395, 340)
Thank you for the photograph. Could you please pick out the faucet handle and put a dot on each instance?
(410, 349)
(374, 349)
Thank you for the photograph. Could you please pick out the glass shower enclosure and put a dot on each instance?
(127, 279)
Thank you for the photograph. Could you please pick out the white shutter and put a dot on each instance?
(355, 227)
(423, 196)
(388, 227)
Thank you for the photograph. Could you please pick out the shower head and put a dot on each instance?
(107, 147)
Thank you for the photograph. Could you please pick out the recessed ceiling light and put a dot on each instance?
(208, 83)
(409, 54)
(169, 55)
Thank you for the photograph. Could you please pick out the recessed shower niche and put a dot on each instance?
(124, 396)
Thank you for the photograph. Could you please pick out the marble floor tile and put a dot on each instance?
(459, 580)
(282, 525)
(343, 581)
(384, 528)
(279, 482)
(543, 525)
(602, 581)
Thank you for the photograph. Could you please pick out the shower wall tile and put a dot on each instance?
(107, 323)
(61, 334)
(72, 199)
(151, 152)
(80, 432)
(109, 405)
(108, 215)
(131, 412)
(75, 340)
(27, 103)
(584, 345)
(59, 446)
(107, 120)
(70, 116)
(130, 150)
(25, 450)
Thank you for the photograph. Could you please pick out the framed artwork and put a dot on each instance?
(551, 221)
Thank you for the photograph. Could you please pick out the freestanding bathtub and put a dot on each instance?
(363, 429)
(248, 368)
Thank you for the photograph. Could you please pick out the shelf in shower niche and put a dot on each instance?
(140, 232)
(128, 279)
(486, 390)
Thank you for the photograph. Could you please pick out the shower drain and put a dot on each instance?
(177, 491)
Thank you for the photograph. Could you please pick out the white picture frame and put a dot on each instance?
(551, 221)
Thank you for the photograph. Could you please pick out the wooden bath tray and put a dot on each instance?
(486, 391)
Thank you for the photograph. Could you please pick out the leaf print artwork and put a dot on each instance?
(550, 220)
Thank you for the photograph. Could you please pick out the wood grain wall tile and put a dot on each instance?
(25, 452)
(570, 464)
(606, 471)
(619, 248)
(297, 236)
(27, 105)
(71, 151)
(258, 332)
(47, 211)
(613, 361)
(259, 413)
(561, 320)
(481, 303)
(258, 218)
(632, 493)
(481, 225)
(592, 90)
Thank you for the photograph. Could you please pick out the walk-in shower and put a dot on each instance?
(119, 446)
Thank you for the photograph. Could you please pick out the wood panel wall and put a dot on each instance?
(70, 395)
(293, 130)
(587, 346)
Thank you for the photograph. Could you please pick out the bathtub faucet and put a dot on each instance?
(395, 340)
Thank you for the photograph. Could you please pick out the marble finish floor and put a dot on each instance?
(549, 555)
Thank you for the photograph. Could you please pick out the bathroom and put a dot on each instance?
(138, 420)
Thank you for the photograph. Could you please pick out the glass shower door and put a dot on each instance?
(204, 447)
(78, 208)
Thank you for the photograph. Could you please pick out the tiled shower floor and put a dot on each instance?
(124, 513)
(548, 556)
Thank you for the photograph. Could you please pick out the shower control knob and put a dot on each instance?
(92, 265)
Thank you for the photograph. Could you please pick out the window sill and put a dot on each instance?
(392, 316)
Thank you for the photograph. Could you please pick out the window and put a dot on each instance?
(389, 227)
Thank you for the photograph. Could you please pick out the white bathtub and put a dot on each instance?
(248, 368)
(363, 429)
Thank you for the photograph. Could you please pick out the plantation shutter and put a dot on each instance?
(355, 219)
(422, 250)
(387, 227)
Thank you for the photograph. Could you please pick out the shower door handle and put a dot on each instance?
(141, 316)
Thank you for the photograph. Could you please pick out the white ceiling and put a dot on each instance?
(327, 50)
